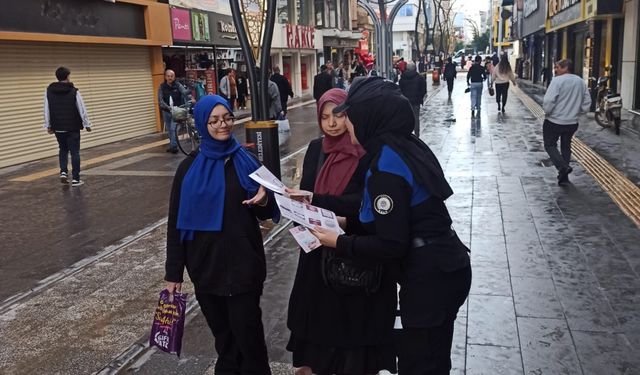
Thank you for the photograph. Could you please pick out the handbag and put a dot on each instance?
(468, 89)
(348, 276)
(491, 90)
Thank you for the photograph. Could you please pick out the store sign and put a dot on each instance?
(208, 5)
(200, 27)
(181, 24)
(558, 6)
(567, 15)
(299, 36)
(530, 6)
(223, 30)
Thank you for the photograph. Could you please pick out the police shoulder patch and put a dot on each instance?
(383, 204)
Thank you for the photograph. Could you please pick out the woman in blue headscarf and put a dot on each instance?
(213, 231)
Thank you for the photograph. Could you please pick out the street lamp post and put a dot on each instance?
(254, 21)
(383, 27)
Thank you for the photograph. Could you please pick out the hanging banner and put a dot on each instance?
(181, 24)
(200, 26)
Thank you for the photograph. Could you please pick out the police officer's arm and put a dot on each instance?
(391, 201)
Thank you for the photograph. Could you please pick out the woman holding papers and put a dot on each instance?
(334, 331)
(405, 217)
(213, 231)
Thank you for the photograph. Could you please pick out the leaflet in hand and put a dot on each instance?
(308, 215)
(305, 239)
(264, 177)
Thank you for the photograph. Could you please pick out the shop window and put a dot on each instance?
(326, 13)
(319, 8)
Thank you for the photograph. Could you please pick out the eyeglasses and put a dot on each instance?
(217, 122)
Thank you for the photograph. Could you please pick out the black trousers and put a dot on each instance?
(551, 132)
(501, 93)
(236, 324)
(425, 351)
(450, 84)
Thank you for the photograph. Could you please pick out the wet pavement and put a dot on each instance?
(556, 269)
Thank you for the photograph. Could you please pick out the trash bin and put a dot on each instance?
(263, 138)
(435, 76)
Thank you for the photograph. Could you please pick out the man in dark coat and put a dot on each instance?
(65, 115)
(284, 87)
(322, 82)
(414, 88)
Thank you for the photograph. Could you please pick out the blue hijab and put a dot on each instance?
(203, 188)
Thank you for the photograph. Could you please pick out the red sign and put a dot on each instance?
(180, 24)
(211, 81)
(299, 36)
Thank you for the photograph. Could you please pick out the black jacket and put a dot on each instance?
(284, 87)
(322, 82)
(63, 109)
(477, 73)
(319, 316)
(435, 278)
(223, 263)
(450, 70)
(413, 87)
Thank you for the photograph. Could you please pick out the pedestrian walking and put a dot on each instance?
(475, 78)
(65, 115)
(450, 74)
(567, 96)
(233, 89)
(284, 88)
(322, 83)
(501, 76)
(414, 88)
(273, 98)
(333, 332)
(406, 220)
(225, 85)
(170, 94)
(213, 231)
(241, 82)
(201, 87)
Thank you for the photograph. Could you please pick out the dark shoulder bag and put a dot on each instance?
(348, 276)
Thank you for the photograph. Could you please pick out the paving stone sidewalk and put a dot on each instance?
(555, 269)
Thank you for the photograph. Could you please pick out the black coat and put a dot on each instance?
(284, 87)
(317, 314)
(223, 263)
(413, 87)
(322, 82)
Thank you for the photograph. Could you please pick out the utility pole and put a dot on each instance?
(491, 26)
(500, 27)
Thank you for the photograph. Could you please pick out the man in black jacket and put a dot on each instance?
(171, 94)
(414, 88)
(284, 87)
(322, 82)
(65, 115)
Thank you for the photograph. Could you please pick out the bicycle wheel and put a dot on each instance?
(187, 138)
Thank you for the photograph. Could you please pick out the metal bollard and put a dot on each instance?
(263, 136)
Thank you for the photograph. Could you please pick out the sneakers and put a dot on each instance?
(63, 178)
(563, 175)
(76, 183)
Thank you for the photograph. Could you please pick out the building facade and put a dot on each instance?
(534, 17)
(630, 77)
(113, 51)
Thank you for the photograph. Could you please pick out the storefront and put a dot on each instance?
(205, 44)
(115, 68)
(294, 49)
(589, 32)
(533, 23)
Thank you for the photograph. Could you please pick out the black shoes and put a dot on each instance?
(499, 107)
(563, 175)
(502, 109)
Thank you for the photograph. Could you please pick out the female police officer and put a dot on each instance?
(404, 213)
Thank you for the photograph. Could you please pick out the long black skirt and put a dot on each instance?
(327, 360)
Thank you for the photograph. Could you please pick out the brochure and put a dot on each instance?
(308, 215)
(264, 177)
(305, 239)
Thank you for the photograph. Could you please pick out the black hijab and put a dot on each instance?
(381, 115)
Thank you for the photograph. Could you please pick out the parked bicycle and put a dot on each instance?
(186, 133)
(608, 105)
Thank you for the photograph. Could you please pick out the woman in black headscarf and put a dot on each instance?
(404, 214)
